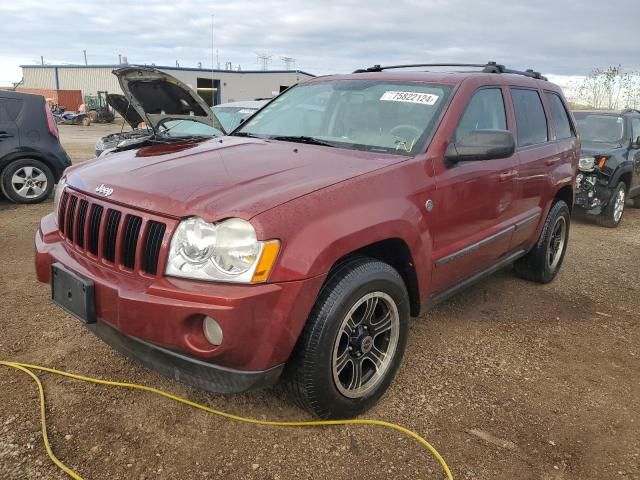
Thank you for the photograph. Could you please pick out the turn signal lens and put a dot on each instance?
(267, 260)
(602, 162)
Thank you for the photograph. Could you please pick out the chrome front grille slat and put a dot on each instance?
(155, 233)
(82, 218)
(111, 233)
(71, 214)
(62, 210)
(94, 229)
(130, 241)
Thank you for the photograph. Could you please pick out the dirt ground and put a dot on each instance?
(508, 380)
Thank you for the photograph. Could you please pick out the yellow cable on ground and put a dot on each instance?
(26, 368)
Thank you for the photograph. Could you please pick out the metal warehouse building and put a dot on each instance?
(217, 86)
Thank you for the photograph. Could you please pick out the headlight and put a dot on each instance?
(587, 164)
(58, 195)
(227, 251)
(99, 145)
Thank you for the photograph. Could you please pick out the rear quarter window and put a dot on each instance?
(12, 107)
(559, 116)
(531, 121)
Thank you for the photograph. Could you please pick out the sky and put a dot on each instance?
(561, 38)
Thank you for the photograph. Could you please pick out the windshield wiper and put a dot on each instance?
(302, 139)
(246, 134)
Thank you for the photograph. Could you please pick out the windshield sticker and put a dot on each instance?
(410, 97)
(245, 110)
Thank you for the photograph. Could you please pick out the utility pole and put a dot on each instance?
(212, 69)
(85, 57)
(41, 59)
(264, 59)
(288, 62)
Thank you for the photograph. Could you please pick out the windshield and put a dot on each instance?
(188, 128)
(231, 117)
(394, 117)
(599, 128)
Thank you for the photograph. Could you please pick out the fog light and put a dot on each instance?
(212, 331)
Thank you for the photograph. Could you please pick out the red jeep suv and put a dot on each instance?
(299, 246)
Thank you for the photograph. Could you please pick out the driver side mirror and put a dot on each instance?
(481, 145)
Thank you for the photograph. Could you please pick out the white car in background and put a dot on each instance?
(232, 114)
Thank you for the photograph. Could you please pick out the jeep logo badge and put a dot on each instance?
(104, 190)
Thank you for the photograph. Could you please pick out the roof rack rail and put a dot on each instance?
(631, 110)
(489, 67)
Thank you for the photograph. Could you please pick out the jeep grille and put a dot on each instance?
(116, 236)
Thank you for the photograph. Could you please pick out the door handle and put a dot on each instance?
(551, 161)
(504, 176)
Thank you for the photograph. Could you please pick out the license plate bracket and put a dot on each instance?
(73, 293)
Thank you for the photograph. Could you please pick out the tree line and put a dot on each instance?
(610, 88)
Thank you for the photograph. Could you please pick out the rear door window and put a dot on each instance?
(485, 111)
(559, 116)
(531, 121)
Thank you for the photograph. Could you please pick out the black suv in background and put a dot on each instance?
(31, 157)
(609, 168)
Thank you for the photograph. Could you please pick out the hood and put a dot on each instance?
(121, 105)
(594, 148)
(157, 97)
(221, 177)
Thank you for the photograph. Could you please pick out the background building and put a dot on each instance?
(217, 86)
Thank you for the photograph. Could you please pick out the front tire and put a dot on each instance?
(612, 214)
(352, 343)
(26, 181)
(543, 262)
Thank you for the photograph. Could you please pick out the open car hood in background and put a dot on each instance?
(157, 97)
(121, 105)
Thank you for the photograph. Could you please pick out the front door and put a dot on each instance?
(474, 200)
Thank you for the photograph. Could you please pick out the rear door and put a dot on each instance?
(537, 157)
(474, 200)
(10, 110)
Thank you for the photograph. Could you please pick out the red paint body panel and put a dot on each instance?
(322, 204)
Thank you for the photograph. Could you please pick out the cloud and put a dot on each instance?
(554, 36)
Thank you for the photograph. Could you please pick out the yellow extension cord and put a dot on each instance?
(27, 368)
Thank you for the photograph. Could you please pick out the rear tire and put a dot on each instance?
(352, 343)
(614, 211)
(543, 262)
(26, 181)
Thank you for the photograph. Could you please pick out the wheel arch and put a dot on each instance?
(29, 154)
(622, 174)
(396, 253)
(566, 194)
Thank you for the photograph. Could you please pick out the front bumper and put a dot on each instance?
(158, 320)
(592, 193)
(192, 371)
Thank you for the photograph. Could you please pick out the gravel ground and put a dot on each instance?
(509, 380)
